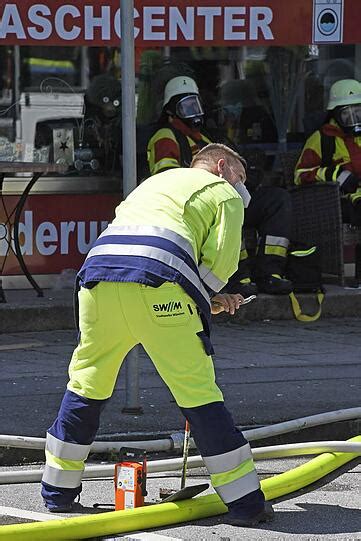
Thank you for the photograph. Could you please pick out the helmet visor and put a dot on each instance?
(350, 115)
(189, 107)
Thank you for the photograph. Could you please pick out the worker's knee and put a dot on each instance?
(213, 429)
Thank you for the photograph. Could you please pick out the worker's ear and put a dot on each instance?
(220, 167)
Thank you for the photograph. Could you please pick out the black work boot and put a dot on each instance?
(274, 285)
(266, 515)
(246, 289)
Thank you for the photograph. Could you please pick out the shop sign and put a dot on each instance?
(328, 21)
(181, 22)
(157, 22)
(56, 231)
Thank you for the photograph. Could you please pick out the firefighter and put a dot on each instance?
(149, 279)
(178, 139)
(333, 152)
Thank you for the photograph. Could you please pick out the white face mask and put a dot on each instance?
(243, 192)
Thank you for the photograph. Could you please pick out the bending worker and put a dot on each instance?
(178, 139)
(333, 153)
(174, 242)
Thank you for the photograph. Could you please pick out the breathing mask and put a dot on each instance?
(349, 118)
(190, 110)
(244, 193)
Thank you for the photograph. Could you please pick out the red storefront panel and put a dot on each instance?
(56, 231)
(180, 23)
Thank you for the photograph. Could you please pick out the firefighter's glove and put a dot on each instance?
(348, 182)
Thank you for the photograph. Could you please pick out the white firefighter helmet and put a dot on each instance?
(344, 92)
(179, 85)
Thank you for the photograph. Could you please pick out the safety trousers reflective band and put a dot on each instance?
(238, 479)
(65, 450)
(276, 246)
(238, 488)
(219, 479)
(62, 473)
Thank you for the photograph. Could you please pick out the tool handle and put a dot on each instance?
(187, 432)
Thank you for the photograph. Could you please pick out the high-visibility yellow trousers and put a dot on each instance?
(115, 316)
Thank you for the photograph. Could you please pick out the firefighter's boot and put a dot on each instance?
(274, 285)
(235, 518)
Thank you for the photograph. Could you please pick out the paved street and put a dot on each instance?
(269, 371)
(328, 512)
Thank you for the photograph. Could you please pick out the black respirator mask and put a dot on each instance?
(190, 110)
(349, 118)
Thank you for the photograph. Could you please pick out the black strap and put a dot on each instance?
(184, 147)
(76, 303)
(328, 147)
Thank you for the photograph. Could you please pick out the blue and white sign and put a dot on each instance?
(327, 21)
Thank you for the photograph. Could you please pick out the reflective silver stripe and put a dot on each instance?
(277, 241)
(151, 231)
(65, 450)
(153, 253)
(342, 177)
(210, 279)
(238, 488)
(227, 461)
(62, 478)
(167, 162)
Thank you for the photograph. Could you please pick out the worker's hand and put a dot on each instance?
(226, 302)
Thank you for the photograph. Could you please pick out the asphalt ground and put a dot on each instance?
(269, 371)
(329, 509)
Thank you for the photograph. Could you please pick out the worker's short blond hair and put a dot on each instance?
(212, 153)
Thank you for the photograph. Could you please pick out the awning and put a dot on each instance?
(181, 22)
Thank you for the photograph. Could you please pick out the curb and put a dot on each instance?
(57, 314)
(338, 303)
(31, 319)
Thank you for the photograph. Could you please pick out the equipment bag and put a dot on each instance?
(304, 271)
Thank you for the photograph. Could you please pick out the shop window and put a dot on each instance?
(61, 65)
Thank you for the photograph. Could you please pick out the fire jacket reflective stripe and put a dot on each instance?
(163, 148)
(149, 252)
(210, 279)
(347, 156)
(175, 238)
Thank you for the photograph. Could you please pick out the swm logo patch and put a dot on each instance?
(168, 309)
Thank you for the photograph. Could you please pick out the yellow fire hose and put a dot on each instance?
(165, 514)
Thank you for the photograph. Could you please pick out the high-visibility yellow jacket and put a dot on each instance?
(346, 155)
(164, 151)
(181, 226)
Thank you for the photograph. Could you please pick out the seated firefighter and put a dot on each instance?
(179, 137)
(102, 121)
(333, 152)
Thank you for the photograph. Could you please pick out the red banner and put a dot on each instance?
(56, 231)
(181, 22)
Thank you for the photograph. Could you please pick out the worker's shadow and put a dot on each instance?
(309, 518)
(318, 519)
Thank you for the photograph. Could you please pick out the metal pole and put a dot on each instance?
(132, 404)
(16, 89)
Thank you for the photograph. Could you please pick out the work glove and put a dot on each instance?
(348, 182)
